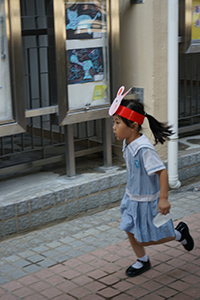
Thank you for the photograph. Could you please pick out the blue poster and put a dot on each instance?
(83, 21)
(85, 65)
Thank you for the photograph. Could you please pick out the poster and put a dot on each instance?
(84, 20)
(196, 20)
(85, 65)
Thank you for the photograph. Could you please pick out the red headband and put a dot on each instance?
(130, 114)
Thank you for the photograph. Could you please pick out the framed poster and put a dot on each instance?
(87, 56)
(86, 50)
(189, 25)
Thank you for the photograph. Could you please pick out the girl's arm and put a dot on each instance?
(163, 204)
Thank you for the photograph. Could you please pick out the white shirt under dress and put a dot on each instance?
(140, 202)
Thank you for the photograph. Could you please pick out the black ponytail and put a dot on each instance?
(161, 131)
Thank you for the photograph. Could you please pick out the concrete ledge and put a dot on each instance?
(66, 199)
(33, 201)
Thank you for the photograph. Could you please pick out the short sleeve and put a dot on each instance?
(152, 162)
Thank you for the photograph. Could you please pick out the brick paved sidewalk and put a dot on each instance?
(87, 258)
(175, 274)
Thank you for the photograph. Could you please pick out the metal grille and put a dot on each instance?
(189, 92)
(44, 140)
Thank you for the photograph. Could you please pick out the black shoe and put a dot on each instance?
(185, 235)
(132, 272)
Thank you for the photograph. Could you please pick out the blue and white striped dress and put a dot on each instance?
(140, 202)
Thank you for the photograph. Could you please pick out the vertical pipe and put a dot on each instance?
(173, 92)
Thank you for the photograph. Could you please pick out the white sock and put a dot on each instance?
(138, 264)
(178, 237)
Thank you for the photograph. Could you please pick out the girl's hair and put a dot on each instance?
(160, 131)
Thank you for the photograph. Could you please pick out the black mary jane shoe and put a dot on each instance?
(185, 235)
(132, 272)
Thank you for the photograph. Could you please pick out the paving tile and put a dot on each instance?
(85, 268)
(123, 297)
(28, 280)
(47, 263)
(86, 257)
(137, 292)
(11, 286)
(55, 280)
(32, 269)
(95, 286)
(152, 296)
(8, 297)
(67, 286)
(93, 297)
(17, 274)
(39, 286)
(35, 297)
(110, 268)
(182, 297)
(70, 274)
(79, 292)
(21, 263)
(191, 279)
(123, 286)
(108, 292)
(60, 258)
(73, 262)
(96, 274)
(51, 293)
(57, 269)
(82, 280)
(109, 280)
(23, 292)
(152, 285)
(64, 297)
(166, 292)
(164, 279)
(35, 258)
(43, 274)
(193, 292)
(4, 279)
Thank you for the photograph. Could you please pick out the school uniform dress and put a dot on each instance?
(140, 202)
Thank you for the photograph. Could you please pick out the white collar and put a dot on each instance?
(137, 144)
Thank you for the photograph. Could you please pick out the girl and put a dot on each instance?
(147, 183)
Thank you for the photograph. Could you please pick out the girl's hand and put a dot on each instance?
(164, 206)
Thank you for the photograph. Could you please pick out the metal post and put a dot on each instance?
(70, 154)
(107, 146)
(173, 92)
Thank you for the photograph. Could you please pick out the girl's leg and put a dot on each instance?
(142, 264)
(137, 247)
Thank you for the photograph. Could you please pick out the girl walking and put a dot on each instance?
(146, 192)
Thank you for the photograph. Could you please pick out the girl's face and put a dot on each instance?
(122, 131)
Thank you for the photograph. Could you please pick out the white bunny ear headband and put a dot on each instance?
(123, 111)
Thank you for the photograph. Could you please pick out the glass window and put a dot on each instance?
(6, 114)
